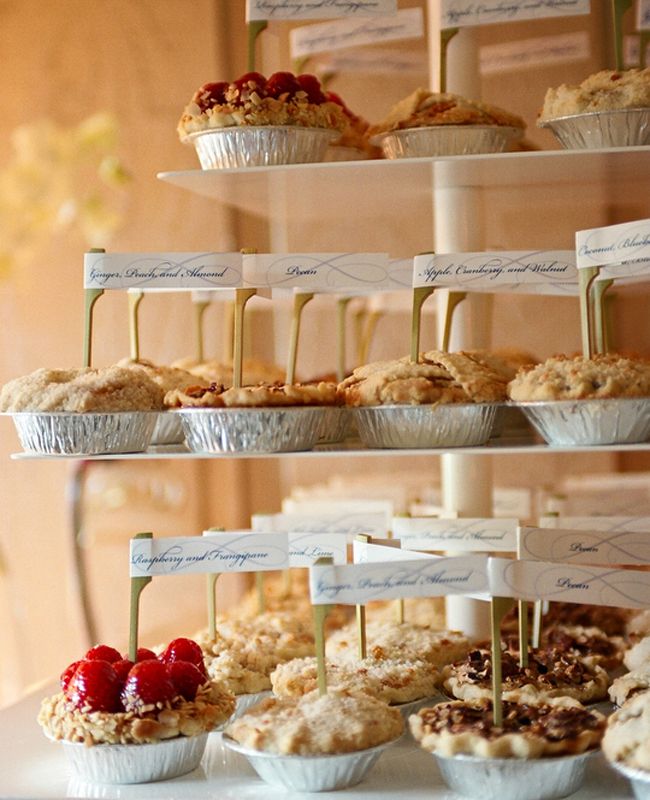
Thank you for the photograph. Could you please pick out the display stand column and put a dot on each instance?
(458, 226)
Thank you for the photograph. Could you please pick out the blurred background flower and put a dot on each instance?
(60, 178)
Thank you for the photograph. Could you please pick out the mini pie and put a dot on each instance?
(579, 378)
(396, 680)
(554, 727)
(423, 108)
(398, 640)
(83, 390)
(591, 644)
(629, 685)
(608, 90)
(611, 620)
(550, 673)
(315, 724)
(638, 656)
(213, 705)
(283, 99)
(437, 378)
(260, 396)
(627, 738)
(254, 371)
(167, 378)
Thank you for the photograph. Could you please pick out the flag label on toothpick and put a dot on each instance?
(346, 524)
(306, 548)
(461, 13)
(316, 9)
(584, 546)
(162, 270)
(317, 272)
(613, 245)
(466, 535)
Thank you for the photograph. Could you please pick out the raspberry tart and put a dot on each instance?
(255, 121)
(125, 722)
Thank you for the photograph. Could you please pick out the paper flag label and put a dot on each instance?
(213, 552)
(371, 553)
(585, 546)
(643, 15)
(306, 548)
(322, 272)
(460, 13)
(614, 524)
(373, 61)
(614, 244)
(357, 584)
(571, 583)
(162, 270)
(343, 524)
(316, 9)
(539, 272)
(529, 53)
(327, 36)
(463, 535)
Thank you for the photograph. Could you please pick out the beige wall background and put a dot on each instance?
(63, 60)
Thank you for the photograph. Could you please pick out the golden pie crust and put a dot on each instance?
(607, 90)
(629, 685)
(254, 371)
(392, 680)
(213, 705)
(627, 738)
(554, 727)
(260, 396)
(83, 390)
(579, 378)
(315, 724)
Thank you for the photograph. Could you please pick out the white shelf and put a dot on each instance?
(32, 767)
(263, 190)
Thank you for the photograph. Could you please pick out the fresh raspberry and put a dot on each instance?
(102, 652)
(144, 654)
(186, 678)
(122, 668)
(311, 85)
(182, 649)
(94, 686)
(146, 684)
(67, 674)
(282, 83)
(211, 94)
(251, 82)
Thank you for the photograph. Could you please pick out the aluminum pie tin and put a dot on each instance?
(69, 433)
(135, 763)
(627, 127)
(336, 424)
(260, 145)
(446, 140)
(442, 425)
(168, 429)
(318, 773)
(591, 422)
(251, 430)
(514, 778)
(639, 779)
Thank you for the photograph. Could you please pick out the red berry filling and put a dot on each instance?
(102, 652)
(186, 678)
(147, 683)
(94, 686)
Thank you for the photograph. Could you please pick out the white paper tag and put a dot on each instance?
(462, 535)
(614, 244)
(358, 584)
(234, 551)
(643, 15)
(327, 36)
(162, 270)
(460, 13)
(322, 272)
(534, 52)
(584, 546)
(306, 548)
(373, 61)
(613, 524)
(316, 9)
(346, 524)
(539, 272)
(571, 583)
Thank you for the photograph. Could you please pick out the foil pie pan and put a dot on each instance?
(135, 763)
(443, 425)
(63, 433)
(168, 429)
(336, 425)
(591, 422)
(598, 129)
(514, 778)
(639, 779)
(318, 773)
(260, 145)
(446, 140)
(251, 430)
